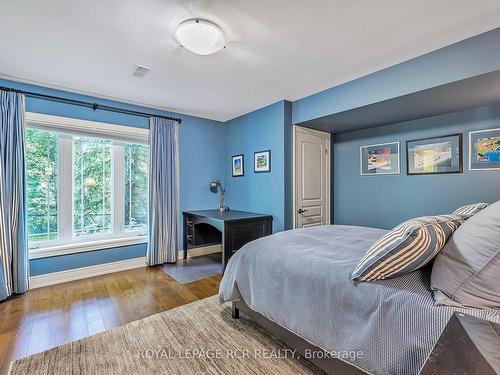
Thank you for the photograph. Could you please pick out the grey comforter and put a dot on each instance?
(300, 279)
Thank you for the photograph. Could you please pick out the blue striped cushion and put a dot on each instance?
(407, 247)
(470, 209)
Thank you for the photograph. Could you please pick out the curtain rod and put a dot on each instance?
(93, 106)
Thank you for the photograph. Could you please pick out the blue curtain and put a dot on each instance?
(14, 271)
(163, 191)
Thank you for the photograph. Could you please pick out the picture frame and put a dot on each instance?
(380, 159)
(484, 150)
(262, 161)
(238, 165)
(435, 155)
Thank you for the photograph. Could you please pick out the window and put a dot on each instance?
(136, 187)
(41, 185)
(92, 187)
(84, 185)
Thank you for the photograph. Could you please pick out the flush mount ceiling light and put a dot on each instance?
(200, 36)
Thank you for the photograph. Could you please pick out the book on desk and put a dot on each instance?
(231, 229)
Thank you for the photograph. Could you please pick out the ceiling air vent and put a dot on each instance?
(141, 71)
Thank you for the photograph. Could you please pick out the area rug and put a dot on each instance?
(199, 338)
(195, 268)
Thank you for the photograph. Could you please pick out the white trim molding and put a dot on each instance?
(196, 252)
(85, 272)
(72, 248)
(76, 126)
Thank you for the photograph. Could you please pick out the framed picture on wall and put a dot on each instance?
(434, 155)
(262, 161)
(379, 159)
(238, 165)
(484, 150)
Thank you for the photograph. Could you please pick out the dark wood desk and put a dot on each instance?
(232, 229)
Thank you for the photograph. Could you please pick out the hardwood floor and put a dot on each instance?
(47, 317)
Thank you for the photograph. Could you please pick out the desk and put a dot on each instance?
(232, 229)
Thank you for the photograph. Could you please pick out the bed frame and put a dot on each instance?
(332, 366)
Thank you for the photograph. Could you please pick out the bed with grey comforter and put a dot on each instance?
(301, 280)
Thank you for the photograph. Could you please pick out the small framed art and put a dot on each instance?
(434, 155)
(379, 159)
(484, 150)
(238, 162)
(262, 161)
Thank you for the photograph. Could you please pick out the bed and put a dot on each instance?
(299, 282)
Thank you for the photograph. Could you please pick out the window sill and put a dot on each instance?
(52, 251)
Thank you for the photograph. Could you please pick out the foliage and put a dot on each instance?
(92, 189)
(91, 186)
(41, 184)
(136, 187)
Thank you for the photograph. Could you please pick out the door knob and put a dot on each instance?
(301, 211)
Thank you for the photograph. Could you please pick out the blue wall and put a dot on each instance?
(468, 58)
(206, 147)
(288, 172)
(260, 130)
(385, 201)
(201, 160)
(91, 258)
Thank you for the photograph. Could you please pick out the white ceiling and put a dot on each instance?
(278, 49)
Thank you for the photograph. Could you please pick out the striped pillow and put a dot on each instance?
(407, 247)
(470, 209)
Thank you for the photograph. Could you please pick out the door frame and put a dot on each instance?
(302, 129)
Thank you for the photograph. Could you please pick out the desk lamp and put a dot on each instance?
(216, 186)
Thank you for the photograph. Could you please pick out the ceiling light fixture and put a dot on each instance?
(200, 36)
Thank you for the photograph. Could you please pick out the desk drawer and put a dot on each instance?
(243, 232)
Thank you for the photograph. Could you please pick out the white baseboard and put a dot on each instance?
(102, 269)
(85, 272)
(201, 251)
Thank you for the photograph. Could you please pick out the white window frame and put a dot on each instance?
(66, 243)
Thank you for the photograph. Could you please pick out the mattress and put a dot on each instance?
(301, 280)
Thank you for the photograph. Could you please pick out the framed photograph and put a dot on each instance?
(262, 161)
(435, 155)
(484, 150)
(379, 159)
(238, 165)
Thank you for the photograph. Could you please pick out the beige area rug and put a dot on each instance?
(199, 338)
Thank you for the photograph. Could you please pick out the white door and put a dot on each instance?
(311, 177)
